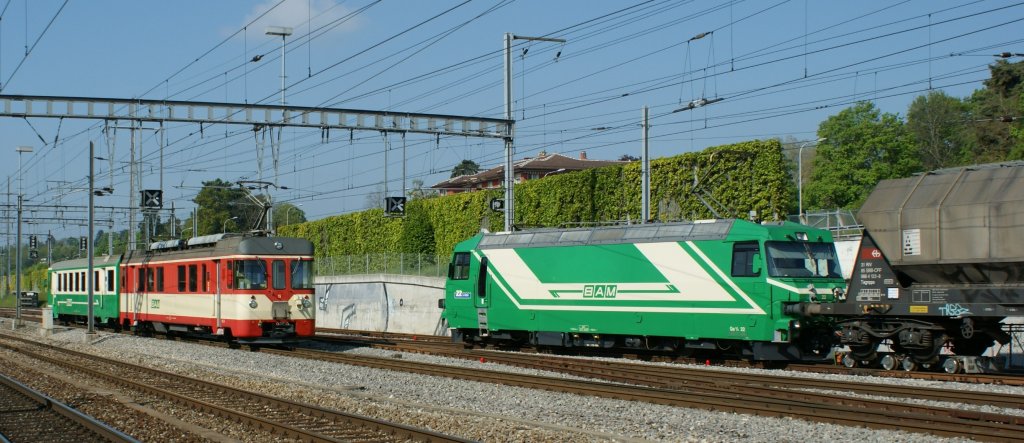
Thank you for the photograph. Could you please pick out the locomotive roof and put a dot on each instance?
(82, 263)
(659, 232)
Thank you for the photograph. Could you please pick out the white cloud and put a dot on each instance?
(295, 14)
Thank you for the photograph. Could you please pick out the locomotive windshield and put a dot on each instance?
(302, 274)
(801, 259)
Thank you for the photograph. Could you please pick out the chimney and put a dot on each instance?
(583, 155)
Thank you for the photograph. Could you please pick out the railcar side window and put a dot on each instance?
(460, 266)
(250, 274)
(181, 278)
(302, 274)
(743, 259)
(206, 278)
(150, 280)
(278, 272)
(159, 279)
(193, 278)
(140, 279)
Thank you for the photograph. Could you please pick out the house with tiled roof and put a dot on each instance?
(529, 168)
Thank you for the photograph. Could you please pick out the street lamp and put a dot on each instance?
(17, 255)
(553, 172)
(800, 175)
(284, 32)
(224, 226)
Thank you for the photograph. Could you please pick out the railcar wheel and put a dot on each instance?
(849, 361)
(952, 366)
(909, 365)
(889, 362)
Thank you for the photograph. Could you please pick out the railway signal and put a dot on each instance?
(83, 243)
(32, 242)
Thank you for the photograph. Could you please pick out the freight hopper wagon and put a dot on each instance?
(247, 288)
(719, 287)
(940, 266)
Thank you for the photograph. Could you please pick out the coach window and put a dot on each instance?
(744, 259)
(192, 278)
(278, 274)
(160, 279)
(96, 281)
(110, 280)
(302, 274)
(460, 266)
(181, 278)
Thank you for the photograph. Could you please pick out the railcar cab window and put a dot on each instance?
(745, 259)
(277, 269)
(802, 259)
(460, 266)
(250, 274)
(302, 274)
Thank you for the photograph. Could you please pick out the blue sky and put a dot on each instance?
(780, 68)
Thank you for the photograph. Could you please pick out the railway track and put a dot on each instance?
(34, 315)
(289, 419)
(444, 346)
(28, 416)
(777, 398)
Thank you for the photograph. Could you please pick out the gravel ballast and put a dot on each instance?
(471, 409)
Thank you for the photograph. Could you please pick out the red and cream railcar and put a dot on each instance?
(247, 288)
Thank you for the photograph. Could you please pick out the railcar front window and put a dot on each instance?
(302, 274)
(802, 259)
(460, 266)
(250, 274)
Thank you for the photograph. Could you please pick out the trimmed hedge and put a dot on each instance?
(733, 179)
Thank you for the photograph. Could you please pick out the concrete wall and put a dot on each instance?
(380, 302)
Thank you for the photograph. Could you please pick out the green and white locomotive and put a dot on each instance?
(716, 286)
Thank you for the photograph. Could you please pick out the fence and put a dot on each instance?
(384, 263)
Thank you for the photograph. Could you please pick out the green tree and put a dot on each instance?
(288, 214)
(994, 138)
(938, 124)
(218, 203)
(466, 167)
(862, 146)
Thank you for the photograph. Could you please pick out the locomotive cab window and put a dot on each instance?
(802, 259)
(460, 267)
(745, 259)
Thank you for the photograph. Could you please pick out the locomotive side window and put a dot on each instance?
(181, 278)
(460, 266)
(277, 269)
(193, 278)
(250, 274)
(302, 274)
(744, 259)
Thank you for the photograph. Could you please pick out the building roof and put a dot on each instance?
(543, 163)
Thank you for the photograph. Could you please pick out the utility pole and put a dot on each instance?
(90, 251)
(509, 131)
(645, 174)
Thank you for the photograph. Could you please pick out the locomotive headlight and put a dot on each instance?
(305, 302)
(252, 302)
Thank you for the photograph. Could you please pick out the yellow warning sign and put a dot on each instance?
(919, 309)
